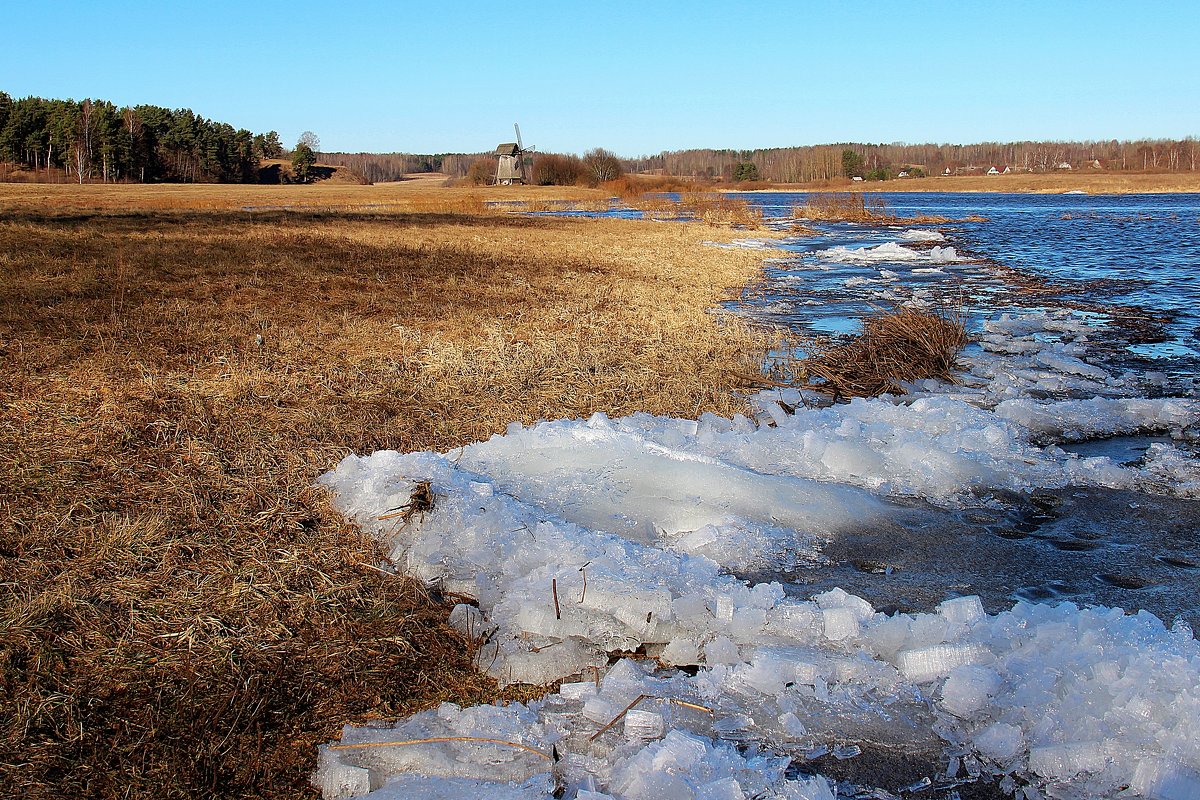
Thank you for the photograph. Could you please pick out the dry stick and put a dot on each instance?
(583, 569)
(436, 739)
(554, 591)
(686, 704)
(618, 717)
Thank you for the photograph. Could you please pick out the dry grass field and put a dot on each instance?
(181, 612)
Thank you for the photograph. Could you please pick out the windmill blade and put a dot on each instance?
(518, 129)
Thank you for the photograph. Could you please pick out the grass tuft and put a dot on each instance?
(894, 347)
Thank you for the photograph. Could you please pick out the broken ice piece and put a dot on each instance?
(962, 609)
(340, 781)
(578, 690)
(734, 728)
(846, 751)
(1165, 780)
(816, 752)
(918, 786)
(724, 789)
(641, 724)
(840, 623)
(722, 650)
(926, 663)
(969, 688)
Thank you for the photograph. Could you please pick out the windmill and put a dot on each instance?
(510, 165)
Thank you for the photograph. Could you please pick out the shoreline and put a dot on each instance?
(1063, 183)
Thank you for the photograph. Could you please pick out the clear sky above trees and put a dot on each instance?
(633, 77)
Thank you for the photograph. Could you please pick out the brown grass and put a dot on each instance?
(712, 208)
(422, 194)
(894, 347)
(842, 207)
(181, 613)
(856, 207)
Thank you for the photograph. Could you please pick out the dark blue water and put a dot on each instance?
(1134, 258)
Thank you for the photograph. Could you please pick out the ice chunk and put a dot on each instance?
(651, 785)
(969, 688)
(579, 690)
(794, 621)
(792, 724)
(839, 623)
(722, 650)
(1065, 761)
(544, 664)
(1000, 741)
(747, 624)
(962, 609)
(921, 235)
(681, 652)
(423, 787)
(678, 752)
(1160, 779)
(338, 781)
(840, 598)
(771, 670)
(641, 724)
(724, 789)
(926, 663)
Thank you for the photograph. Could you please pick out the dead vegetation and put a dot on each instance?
(181, 612)
(841, 207)
(717, 209)
(894, 347)
(856, 207)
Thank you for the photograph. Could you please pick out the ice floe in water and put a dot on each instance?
(921, 235)
(580, 539)
(889, 252)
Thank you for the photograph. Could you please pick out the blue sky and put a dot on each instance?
(635, 77)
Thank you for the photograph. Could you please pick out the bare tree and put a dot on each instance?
(311, 139)
(602, 165)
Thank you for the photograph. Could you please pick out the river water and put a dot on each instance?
(1132, 254)
(1128, 265)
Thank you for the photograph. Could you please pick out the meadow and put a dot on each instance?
(182, 613)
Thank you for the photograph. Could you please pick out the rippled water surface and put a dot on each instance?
(1135, 254)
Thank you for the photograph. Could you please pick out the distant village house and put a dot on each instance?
(999, 170)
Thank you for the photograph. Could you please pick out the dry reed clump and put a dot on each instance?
(894, 347)
(181, 613)
(841, 207)
(712, 208)
(856, 207)
(631, 187)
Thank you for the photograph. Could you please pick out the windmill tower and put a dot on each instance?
(510, 164)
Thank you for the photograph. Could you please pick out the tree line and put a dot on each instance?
(822, 162)
(807, 163)
(92, 140)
